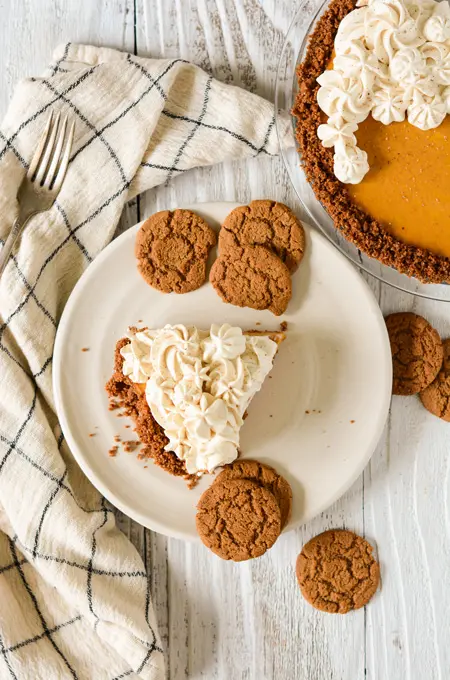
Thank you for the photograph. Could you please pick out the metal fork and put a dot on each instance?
(44, 178)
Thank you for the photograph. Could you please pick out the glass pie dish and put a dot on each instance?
(293, 52)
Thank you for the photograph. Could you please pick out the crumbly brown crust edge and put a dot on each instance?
(123, 392)
(357, 226)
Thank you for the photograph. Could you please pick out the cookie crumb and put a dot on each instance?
(92, 434)
(193, 482)
(85, 349)
(130, 445)
(307, 413)
(113, 451)
(283, 326)
(352, 421)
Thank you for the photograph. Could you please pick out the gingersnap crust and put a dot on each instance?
(238, 519)
(358, 227)
(265, 223)
(172, 250)
(267, 477)
(252, 276)
(124, 393)
(417, 352)
(436, 397)
(337, 572)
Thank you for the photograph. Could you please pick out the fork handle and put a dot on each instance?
(16, 229)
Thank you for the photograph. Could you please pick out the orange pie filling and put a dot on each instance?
(407, 188)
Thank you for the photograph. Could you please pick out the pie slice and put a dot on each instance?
(188, 390)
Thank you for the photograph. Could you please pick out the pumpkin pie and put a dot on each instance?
(188, 390)
(374, 132)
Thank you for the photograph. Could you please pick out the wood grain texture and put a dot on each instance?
(229, 622)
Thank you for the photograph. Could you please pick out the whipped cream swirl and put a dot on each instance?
(199, 385)
(393, 61)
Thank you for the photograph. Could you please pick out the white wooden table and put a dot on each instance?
(225, 621)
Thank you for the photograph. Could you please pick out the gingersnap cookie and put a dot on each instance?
(238, 519)
(254, 277)
(265, 223)
(172, 250)
(417, 352)
(436, 397)
(265, 476)
(337, 572)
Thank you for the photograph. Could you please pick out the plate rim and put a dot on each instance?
(96, 481)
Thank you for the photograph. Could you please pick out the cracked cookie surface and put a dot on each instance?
(436, 397)
(265, 476)
(337, 572)
(254, 277)
(417, 352)
(265, 223)
(238, 519)
(172, 250)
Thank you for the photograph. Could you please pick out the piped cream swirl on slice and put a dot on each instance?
(198, 385)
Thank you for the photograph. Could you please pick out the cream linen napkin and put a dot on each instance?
(74, 598)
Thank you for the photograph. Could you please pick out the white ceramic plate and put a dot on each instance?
(317, 419)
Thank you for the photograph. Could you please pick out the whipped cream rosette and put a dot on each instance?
(198, 385)
(392, 61)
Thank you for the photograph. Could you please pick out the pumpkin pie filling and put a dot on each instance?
(407, 188)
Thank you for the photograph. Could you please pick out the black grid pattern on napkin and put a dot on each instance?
(37, 609)
(12, 442)
(60, 89)
(7, 652)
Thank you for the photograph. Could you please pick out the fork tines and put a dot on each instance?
(49, 164)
